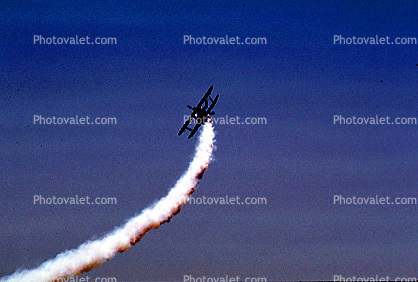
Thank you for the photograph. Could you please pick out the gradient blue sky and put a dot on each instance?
(298, 161)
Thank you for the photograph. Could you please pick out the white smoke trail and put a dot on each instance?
(93, 253)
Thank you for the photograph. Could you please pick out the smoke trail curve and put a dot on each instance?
(93, 253)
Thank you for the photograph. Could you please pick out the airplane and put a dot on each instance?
(200, 113)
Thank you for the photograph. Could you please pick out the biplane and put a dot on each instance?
(200, 113)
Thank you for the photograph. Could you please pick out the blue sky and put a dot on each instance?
(298, 161)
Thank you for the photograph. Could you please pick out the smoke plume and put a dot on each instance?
(93, 253)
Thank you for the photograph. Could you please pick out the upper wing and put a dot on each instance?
(212, 105)
(204, 97)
